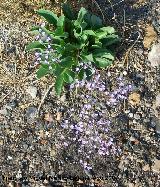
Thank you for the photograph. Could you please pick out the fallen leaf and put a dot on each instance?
(48, 117)
(134, 99)
(150, 36)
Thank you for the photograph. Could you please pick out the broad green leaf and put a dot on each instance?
(67, 11)
(35, 45)
(96, 21)
(83, 25)
(41, 72)
(67, 62)
(68, 78)
(97, 45)
(88, 57)
(60, 21)
(60, 26)
(84, 37)
(102, 62)
(77, 32)
(89, 32)
(49, 16)
(110, 39)
(103, 53)
(93, 21)
(108, 30)
(81, 14)
(101, 34)
(59, 70)
(59, 84)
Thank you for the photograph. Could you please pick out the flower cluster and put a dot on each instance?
(113, 97)
(89, 126)
(47, 56)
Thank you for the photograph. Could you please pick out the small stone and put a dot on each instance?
(63, 98)
(137, 116)
(156, 166)
(130, 115)
(32, 90)
(154, 55)
(130, 185)
(31, 114)
(158, 100)
(132, 139)
(1, 142)
(125, 73)
(134, 99)
(9, 158)
(13, 104)
(158, 126)
(4, 112)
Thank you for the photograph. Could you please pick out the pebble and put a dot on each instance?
(4, 112)
(158, 100)
(31, 114)
(32, 90)
(13, 104)
(158, 126)
(154, 55)
(130, 115)
(9, 158)
(156, 166)
(137, 116)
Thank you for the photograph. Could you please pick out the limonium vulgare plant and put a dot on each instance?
(71, 47)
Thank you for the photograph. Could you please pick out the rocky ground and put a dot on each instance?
(104, 133)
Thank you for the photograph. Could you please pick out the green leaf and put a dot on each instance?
(93, 21)
(67, 11)
(101, 34)
(59, 84)
(103, 53)
(81, 14)
(103, 57)
(96, 21)
(41, 72)
(49, 16)
(34, 45)
(108, 30)
(87, 57)
(60, 21)
(102, 62)
(67, 62)
(89, 32)
(59, 70)
(60, 26)
(68, 77)
(110, 39)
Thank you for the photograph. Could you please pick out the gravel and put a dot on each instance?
(33, 146)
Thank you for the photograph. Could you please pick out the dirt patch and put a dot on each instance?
(108, 128)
